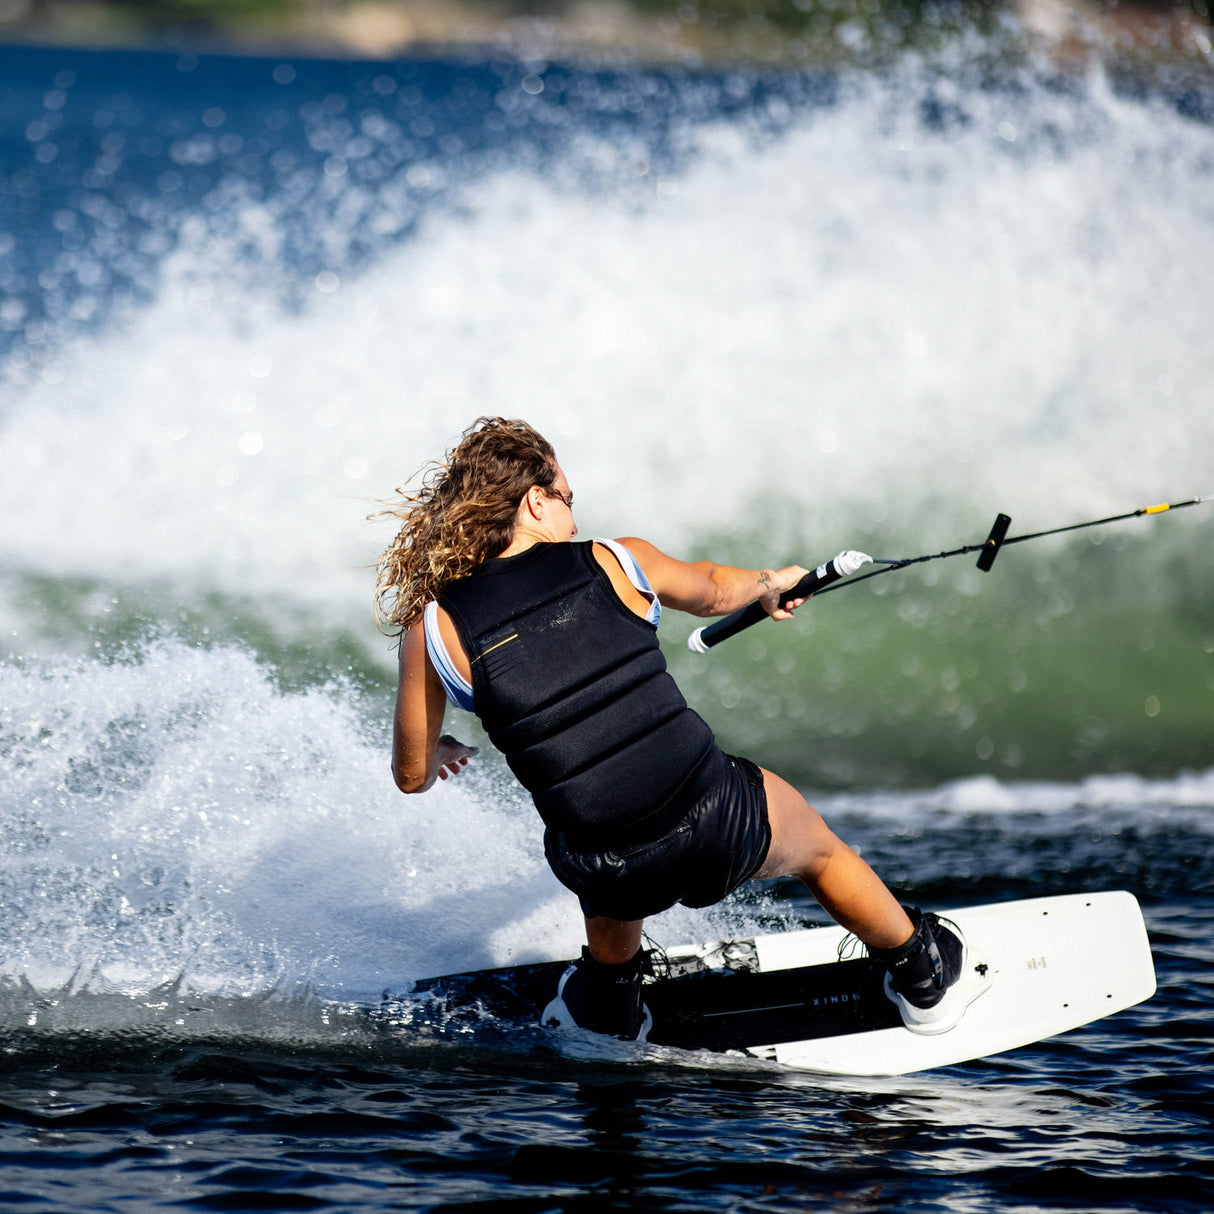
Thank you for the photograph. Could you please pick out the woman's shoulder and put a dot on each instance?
(628, 576)
(620, 549)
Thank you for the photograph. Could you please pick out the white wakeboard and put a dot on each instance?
(1039, 967)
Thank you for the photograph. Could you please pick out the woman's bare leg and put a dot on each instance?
(613, 941)
(803, 846)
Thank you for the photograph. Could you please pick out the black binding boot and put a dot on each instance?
(602, 998)
(923, 975)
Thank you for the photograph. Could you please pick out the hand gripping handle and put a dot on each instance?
(844, 565)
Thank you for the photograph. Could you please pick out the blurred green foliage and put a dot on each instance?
(804, 19)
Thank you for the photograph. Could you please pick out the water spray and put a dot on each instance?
(831, 575)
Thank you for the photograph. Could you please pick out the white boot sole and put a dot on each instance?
(975, 980)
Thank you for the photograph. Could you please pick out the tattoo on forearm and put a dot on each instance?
(765, 576)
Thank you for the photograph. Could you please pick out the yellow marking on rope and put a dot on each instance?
(1157, 509)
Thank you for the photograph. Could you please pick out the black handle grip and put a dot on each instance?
(843, 565)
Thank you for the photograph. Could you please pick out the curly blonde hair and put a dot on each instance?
(462, 515)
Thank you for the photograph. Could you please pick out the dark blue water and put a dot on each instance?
(294, 1098)
(1112, 1117)
(243, 298)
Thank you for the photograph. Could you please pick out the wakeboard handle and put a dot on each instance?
(843, 565)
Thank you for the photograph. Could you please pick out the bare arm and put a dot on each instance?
(705, 588)
(421, 752)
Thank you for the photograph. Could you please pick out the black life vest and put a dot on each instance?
(572, 688)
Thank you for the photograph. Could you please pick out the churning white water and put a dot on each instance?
(865, 317)
(892, 313)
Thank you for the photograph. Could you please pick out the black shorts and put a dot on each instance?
(719, 843)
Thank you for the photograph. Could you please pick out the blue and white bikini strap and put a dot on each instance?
(458, 689)
(636, 575)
